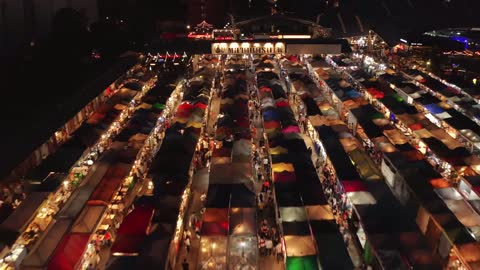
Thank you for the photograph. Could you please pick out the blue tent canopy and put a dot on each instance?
(434, 108)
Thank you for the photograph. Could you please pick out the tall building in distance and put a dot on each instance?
(25, 21)
(212, 11)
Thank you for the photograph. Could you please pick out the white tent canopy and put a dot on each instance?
(361, 197)
(448, 193)
(38, 258)
(291, 214)
(465, 214)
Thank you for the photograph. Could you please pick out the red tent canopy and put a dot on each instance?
(282, 103)
(214, 228)
(243, 123)
(265, 89)
(476, 190)
(353, 186)
(292, 58)
(69, 252)
(222, 152)
(200, 106)
(137, 221)
(132, 231)
(108, 185)
(284, 177)
(416, 126)
(413, 155)
(375, 93)
(184, 109)
(127, 245)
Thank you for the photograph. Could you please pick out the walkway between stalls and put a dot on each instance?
(199, 186)
(352, 250)
(268, 213)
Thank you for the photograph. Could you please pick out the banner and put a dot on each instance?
(248, 48)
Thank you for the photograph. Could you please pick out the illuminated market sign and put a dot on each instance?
(248, 48)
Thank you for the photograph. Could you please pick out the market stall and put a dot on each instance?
(213, 253)
(133, 231)
(69, 252)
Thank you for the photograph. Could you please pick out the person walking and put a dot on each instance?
(193, 219)
(197, 229)
(265, 163)
(278, 251)
(262, 247)
(269, 246)
(185, 265)
(188, 244)
(188, 234)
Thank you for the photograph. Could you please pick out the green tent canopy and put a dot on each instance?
(377, 115)
(159, 106)
(397, 97)
(302, 263)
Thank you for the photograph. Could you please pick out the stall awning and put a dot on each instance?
(242, 221)
(221, 160)
(278, 150)
(281, 167)
(88, 219)
(354, 186)
(19, 219)
(439, 183)
(365, 166)
(133, 231)
(215, 228)
(69, 252)
(215, 215)
(470, 253)
(292, 214)
(233, 173)
(299, 246)
(465, 213)
(448, 193)
(361, 197)
(39, 257)
(284, 177)
(242, 147)
(319, 212)
(302, 263)
(107, 188)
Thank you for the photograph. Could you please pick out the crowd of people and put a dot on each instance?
(203, 153)
(337, 199)
(373, 153)
(269, 241)
(12, 194)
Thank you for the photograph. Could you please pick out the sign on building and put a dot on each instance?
(248, 48)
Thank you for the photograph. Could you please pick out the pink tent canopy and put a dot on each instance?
(354, 186)
(291, 129)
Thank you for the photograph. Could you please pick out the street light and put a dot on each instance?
(243, 249)
(188, 26)
(211, 250)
